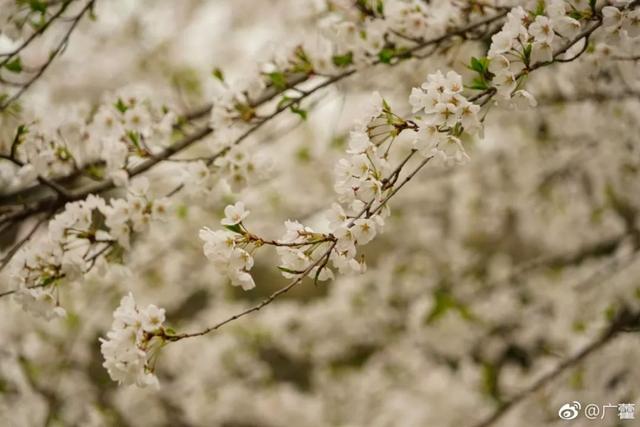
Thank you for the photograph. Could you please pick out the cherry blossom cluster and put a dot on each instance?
(240, 168)
(122, 131)
(196, 178)
(357, 36)
(529, 38)
(447, 114)
(372, 32)
(227, 249)
(133, 343)
(128, 129)
(231, 249)
(76, 241)
(364, 182)
(378, 30)
(304, 251)
(619, 23)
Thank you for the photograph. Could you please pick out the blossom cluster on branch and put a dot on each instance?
(133, 135)
(133, 343)
(78, 240)
(465, 274)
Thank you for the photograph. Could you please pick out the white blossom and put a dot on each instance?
(234, 214)
(132, 344)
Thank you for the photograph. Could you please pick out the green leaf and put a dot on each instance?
(527, 53)
(38, 6)
(380, 7)
(303, 63)
(134, 138)
(22, 130)
(284, 101)
(115, 254)
(539, 8)
(299, 111)
(575, 14)
(121, 106)
(92, 12)
(442, 304)
(479, 65)
(11, 108)
(343, 60)
(95, 172)
(610, 312)
(386, 55)
(478, 83)
(15, 65)
(490, 376)
(385, 106)
(235, 228)
(72, 320)
(218, 74)
(18, 139)
(47, 279)
(278, 80)
(476, 65)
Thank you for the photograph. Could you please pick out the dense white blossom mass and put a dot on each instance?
(448, 188)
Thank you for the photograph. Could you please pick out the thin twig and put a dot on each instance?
(265, 302)
(9, 55)
(21, 243)
(62, 192)
(52, 56)
(91, 260)
(321, 262)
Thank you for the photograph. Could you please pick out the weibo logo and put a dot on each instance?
(569, 411)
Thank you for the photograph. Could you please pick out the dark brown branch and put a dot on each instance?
(62, 192)
(268, 95)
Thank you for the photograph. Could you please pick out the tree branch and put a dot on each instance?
(52, 55)
(624, 321)
(268, 95)
(295, 79)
